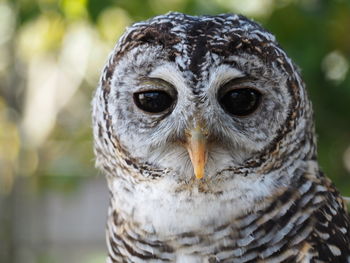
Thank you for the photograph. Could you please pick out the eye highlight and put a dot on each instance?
(153, 101)
(240, 102)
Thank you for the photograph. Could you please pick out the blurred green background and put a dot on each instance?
(51, 54)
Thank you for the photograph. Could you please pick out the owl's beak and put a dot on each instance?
(196, 147)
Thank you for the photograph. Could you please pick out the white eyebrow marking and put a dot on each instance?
(169, 73)
(220, 76)
(223, 74)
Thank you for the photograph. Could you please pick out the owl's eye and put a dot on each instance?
(153, 101)
(241, 102)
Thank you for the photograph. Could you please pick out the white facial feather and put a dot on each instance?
(154, 146)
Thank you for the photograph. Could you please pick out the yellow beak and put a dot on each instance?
(196, 147)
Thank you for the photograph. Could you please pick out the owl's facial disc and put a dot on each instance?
(166, 120)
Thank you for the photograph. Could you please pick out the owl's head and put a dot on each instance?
(210, 97)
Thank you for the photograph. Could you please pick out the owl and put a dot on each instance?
(204, 130)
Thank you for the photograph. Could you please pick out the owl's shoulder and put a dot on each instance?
(330, 238)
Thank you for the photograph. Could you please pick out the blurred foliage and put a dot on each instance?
(51, 54)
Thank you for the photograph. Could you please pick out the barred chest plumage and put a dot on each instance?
(204, 130)
(304, 222)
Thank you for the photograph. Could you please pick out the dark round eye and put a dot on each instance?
(241, 102)
(153, 101)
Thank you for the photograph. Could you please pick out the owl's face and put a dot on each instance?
(199, 97)
(235, 109)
